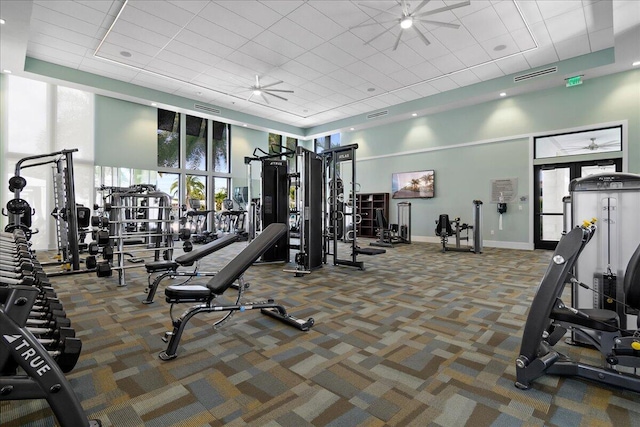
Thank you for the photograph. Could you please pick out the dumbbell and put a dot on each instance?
(67, 353)
(103, 269)
(106, 250)
(99, 221)
(47, 325)
(58, 340)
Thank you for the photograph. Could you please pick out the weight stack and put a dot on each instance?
(275, 205)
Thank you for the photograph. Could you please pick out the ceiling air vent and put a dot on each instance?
(378, 114)
(535, 74)
(207, 109)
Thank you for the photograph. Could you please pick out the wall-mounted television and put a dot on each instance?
(412, 185)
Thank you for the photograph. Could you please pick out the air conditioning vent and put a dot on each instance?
(206, 108)
(378, 114)
(535, 74)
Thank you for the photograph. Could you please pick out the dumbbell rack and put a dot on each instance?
(139, 221)
(37, 346)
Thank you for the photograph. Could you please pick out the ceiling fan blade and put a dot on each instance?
(379, 10)
(264, 97)
(439, 24)
(250, 96)
(422, 36)
(271, 84)
(395, 46)
(420, 6)
(257, 81)
(444, 9)
(277, 90)
(277, 96)
(381, 34)
(404, 5)
(374, 23)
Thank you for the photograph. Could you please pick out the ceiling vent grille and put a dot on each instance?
(378, 114)
(535, 74)
(206, 108)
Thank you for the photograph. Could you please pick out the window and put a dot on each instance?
(196, 143)
(594, 141)
(326, 142)
(220, 151)
(168, 139)
(275, 143)
(291, 144)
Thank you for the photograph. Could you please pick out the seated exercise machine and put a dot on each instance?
(160, 270)
(37, 344)
(206, 295)
(446, 228)
(549, 319)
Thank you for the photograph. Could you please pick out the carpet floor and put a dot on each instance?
(419, 338)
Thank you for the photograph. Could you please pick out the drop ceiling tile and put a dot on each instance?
(230, 21)
(68, 35)
(98, 66)
(142, 19)
(382, 63)
(541, 34)
(405, 56)
(433, 50)
(425, 71)
(425, 90)
(544, 55)
(279, 44)
(333, 54)
(447, 64)
(513, 64)
(263, 54)
(287, 77)
(601, 39)
(567, 26)
(344, 13)
(255, 12)
(550, 9)
(42, 13)
(504, 44)
(473, 55)
(316, 22)
(573, 47)
(100, 5)
(509, 15)
(465, 78)
(297, 34)
(216, 33)
(444, 84)
(474, 7)
(488, 72)
(347, 77)
(530, 11)
(193, 6)
(332, 84)
(175, 58)
(367, 72)
(484, 24)
(407, 95)
(405, 77)
(54, 55)
(319, 64)
(599, 15)
(283, 7)
(353, 45)
(73, 9)
(454, 39)
(174, 71)
(390, 99)
(156, 82)
(134, 32)
(202, 44)
(161, 11)
(300, 69)
(251, 65)
(523, 38)
(112, 52)
(132, 45)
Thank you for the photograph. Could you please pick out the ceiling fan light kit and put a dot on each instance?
(408, 19)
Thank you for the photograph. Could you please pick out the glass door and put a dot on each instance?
(551, 186)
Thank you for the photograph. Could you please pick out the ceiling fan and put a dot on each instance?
(409, 18)
(262, 90)
(593, 146)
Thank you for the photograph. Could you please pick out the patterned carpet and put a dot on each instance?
(419, 338)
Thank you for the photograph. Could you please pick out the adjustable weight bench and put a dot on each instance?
(206, 294)
(164, 269)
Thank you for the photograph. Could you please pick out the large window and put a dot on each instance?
(196, 143)
(326, 142)
(168, 139)
(42, 118)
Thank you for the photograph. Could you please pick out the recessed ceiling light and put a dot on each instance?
(635, 64)
(500, 47)
(414, 114)
(503, 93)
(125, 54)
(198, 93)
(244, 125)
(352, 128)
(6, 71)
(153, 104)
(2, 21)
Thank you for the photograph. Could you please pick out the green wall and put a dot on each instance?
(501, 129)
(125, 134)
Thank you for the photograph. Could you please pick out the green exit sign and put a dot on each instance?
(574, 81)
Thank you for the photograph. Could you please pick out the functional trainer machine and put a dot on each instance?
(390, 234)
(549, 320)
(446, 228)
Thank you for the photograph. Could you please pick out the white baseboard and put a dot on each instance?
(485, 243)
